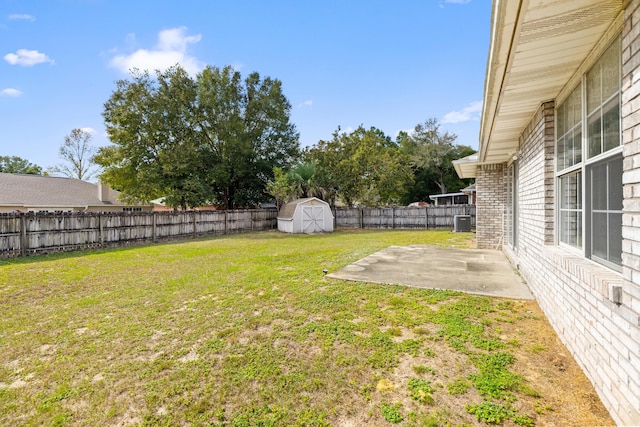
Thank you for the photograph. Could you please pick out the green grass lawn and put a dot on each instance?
(245, 330)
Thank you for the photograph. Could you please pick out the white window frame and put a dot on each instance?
(584, 245)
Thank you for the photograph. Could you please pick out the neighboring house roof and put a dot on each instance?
(537, 46)
(436, 196)
(440, 196)
(36, 190)
(289, 209)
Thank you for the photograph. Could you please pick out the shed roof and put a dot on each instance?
(288, 210)
(37, 190)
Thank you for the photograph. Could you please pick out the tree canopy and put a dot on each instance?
(15, 164)
(431, 153)
(215, 138)
(364, 166)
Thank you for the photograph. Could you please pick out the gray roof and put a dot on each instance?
(287, 211)
(37, 190)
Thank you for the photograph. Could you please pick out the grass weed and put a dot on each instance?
(245, 330)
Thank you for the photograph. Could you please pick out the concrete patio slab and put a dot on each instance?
(474, 271)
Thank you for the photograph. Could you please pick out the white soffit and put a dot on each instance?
(536, 47)
(466, 167)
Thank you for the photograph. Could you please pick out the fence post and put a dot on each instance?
(101, 229)
(23, 235)
(426, 217)
(251, 215)
(195, 227)
(361, 212)
(393, 218)
(154, 224)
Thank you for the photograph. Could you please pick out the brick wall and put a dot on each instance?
(490, 206)
(536, 215)
(631, 152)
(595, 310)
(629, 357)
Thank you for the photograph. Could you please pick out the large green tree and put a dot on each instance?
(431, 152)
(362, 167)
(15, 164)
(215, 138)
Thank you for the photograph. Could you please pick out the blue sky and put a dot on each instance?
(391, 64)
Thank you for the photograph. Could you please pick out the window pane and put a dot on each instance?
(572, 228)
(599, 235)
(577, 146)
(615, 184)
(576, 106)
(561, 119)
(611, 121)
(594, 135)
(569, 133)
(571, 209)
(569, 189)
(605, 186)
(594, 88)
(599, 187)
(579, 190)
(611, 70)
(560, 150)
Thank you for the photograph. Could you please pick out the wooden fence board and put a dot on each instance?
(402, 217)
(35, 233)
(30, 234)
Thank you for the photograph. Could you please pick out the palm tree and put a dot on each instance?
(303, 178)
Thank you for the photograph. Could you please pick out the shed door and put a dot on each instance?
(312, 219)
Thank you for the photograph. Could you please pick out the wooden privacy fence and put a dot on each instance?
(403, 217)
(37, 233)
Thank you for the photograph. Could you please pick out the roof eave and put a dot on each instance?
(466, 167)
(536, 48)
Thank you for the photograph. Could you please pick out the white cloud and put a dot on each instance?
(27, 58)
(90, 131)
(171, 49)
(14, 93)
(468, 113)
(21, 17)
(307, 103)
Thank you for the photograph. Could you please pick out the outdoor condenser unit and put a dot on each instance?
(461, 223)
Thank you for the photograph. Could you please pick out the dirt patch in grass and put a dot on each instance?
(553, 392)
(245, 331)
(567, 396)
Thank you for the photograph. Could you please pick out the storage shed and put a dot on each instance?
(310, 215)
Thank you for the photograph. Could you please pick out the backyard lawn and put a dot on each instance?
(245, 330)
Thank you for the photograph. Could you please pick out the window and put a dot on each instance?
(570, 195)
(605, 212)
(589, 163)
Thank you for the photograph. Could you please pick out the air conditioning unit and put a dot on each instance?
(461, 223)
